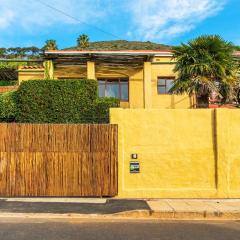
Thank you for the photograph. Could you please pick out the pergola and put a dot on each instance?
(134, 59)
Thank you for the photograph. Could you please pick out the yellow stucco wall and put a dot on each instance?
(29, 74)
(136, 90)
(71, 71)
(228, 151)
(181, 153)
(166, 100)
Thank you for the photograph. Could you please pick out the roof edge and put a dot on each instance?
(156, 53)
(116, 52)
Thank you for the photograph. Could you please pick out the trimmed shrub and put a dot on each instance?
(102, 106)
(62, 101)
(7, 83)
(8, 107)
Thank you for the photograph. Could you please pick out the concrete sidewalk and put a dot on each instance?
(171, 209)
(195, 209)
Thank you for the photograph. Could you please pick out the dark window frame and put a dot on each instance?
(117, 80)
(164, 85)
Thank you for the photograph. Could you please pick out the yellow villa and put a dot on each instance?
(139, 78)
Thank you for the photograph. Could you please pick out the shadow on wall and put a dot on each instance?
(174, 102)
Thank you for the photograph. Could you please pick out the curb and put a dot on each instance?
(136, 214)
(196, 215)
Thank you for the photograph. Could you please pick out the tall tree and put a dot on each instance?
(50, 45)
(35, 51)
(3, 52)
(83, 41)
(12, 52)
(204, 65)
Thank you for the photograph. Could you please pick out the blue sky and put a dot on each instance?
(28, 22)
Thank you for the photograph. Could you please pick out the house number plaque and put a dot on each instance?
(134, 167)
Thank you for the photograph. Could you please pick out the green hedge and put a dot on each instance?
(102, 106)
(8, 107)
(49, 101)
(61, 101)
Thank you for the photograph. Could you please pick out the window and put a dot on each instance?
(164, 84)
(115, 87)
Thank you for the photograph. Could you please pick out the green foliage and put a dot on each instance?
(237, 48)
(123, 45)
(50, 45)
(11, 65)
(83, 41)
(7, 83)
(20, 52)
(102, 106)
(236, 89)
(61, 101)
(204, 65)
(8, 107)
(49, 101)
(8, 65)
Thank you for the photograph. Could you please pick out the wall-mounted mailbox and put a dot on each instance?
(134, 156)
(134, 167)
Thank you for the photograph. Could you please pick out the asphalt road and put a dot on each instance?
(116, 230)
(111, 206)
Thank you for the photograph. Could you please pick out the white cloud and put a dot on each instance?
(6, 17)
(30, 14)
(158, 19)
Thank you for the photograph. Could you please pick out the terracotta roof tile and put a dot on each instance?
(237, 53)
(32, 67)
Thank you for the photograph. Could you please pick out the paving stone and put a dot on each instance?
(200, 206)
(224, 207)
(159, 206)
(183, 206)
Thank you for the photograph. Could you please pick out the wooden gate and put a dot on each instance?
(58, 160)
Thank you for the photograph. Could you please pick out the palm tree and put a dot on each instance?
(83, 41)
(204, 65)
(50, 45)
